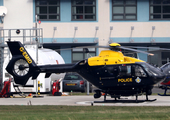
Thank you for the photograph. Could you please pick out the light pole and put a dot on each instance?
(36, 39)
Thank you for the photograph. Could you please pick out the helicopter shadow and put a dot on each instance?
(125, 101)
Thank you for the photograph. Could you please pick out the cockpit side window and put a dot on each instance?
(125, 70)
(139, 72)
(113, 70)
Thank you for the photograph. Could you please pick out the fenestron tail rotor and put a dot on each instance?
(21, 66)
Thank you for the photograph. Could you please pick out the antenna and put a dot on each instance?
(3, 12)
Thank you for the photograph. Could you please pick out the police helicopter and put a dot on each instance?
(111, 72)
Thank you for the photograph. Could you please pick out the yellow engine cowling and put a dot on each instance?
(109, 57)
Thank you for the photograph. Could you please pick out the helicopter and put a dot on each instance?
(111, 72)
(165, 85)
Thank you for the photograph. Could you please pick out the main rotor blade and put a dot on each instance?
(119, 47)
(151, 48)
(140, 51)
(84, 47)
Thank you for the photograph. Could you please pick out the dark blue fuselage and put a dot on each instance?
(138, 76)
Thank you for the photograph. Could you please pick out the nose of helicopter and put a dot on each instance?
(159, 79)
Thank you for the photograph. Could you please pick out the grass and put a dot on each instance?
(83, 113)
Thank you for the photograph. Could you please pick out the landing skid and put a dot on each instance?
(151, 100)
(137, 101)
(124, 101)
(164, 92)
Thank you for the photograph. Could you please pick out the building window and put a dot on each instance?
(165, 57)
(159, 9)
(79, 54)
(47, 10)
(83, 10)
(124, 10)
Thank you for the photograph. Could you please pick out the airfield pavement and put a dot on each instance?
(87, 101)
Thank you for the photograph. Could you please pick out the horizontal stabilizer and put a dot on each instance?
(47, 75)
(35, 75)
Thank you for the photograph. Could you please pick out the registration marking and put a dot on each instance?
(71, 84)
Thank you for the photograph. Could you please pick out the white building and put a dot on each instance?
(69, 23)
